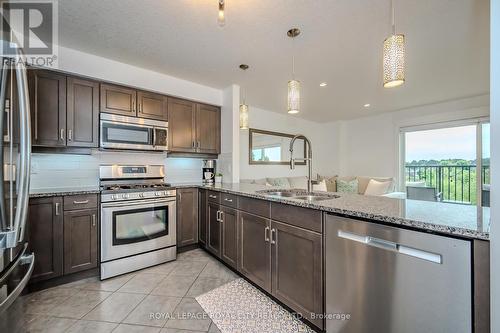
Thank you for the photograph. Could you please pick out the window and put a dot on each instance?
(447, 163)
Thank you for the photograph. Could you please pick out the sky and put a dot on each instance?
(447, 143)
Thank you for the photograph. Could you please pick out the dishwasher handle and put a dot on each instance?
(391, 246)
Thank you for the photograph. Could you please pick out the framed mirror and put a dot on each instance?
(273, 148)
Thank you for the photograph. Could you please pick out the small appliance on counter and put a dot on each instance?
(208, 171)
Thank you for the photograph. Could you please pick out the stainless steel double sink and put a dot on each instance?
(299, 195)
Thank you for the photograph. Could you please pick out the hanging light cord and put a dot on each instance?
(393, 18)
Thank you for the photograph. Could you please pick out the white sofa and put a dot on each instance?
(327, 183)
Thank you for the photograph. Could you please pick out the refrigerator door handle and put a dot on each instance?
(3, 90)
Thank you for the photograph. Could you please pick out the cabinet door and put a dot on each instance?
(207, 129)
(118, 100)
(82, 113)
(202, 229)
(229, 248)
(48, 108)
(152, 106)
(297, 273)
(80, 240)
(187, 216)
(181, 115)
(214, 229)
(45, 237)
(254, 249)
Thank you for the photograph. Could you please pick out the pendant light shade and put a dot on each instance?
(221, 16)
(243, 116)
(293, 96)
(394, 61)
(394, 56)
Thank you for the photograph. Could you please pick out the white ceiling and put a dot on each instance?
(341, 43)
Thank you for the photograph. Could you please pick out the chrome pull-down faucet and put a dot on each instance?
(308, 159)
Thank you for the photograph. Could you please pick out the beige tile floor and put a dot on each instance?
(125, 303)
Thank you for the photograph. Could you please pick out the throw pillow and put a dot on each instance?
(347, 186)
(377, 188)
(321, 186)
(279, 182)
(330, 181)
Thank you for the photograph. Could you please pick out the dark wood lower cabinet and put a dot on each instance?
(229, 223)
(80, 240)
(203, 220)
(297, 275)
(45, 237)
(187, 216)
(214, 229)
(254, 249)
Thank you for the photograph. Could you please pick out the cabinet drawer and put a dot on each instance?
(255, 206)
(213, 196)
(83, 201)
(298, 216)
(229, 200)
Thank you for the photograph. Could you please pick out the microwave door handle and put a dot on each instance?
(154, 137)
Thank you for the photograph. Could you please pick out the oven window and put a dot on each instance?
(137, 225)
(126, 134)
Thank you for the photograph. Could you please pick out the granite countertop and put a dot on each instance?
(446, 218)
(57, 191)
(452, 219)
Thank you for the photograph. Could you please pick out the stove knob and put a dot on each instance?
(141, 195)
(164, 193)
(157, 193)
(113, 197)
(125, 196)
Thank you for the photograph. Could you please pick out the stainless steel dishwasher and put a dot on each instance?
(392, 280)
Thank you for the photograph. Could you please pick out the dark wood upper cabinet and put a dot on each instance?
(207, 129)
(45, 237)
(214, 240)
(203, 220)
(152, 106)
(80, 240)
(187, 216)
(181, 123)
(48, 108)
(254, 249)
(229, 248)
(118, 100)
(82, 113)
(297, 274)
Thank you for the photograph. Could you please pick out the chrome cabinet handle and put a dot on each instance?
(133, 104)
(62, 134)
(218, 216)
(221, 217)
(212, 196)
(6, 137)
(83, 202)
(198, 144)
(180, 197)
(93, 220)
(391, 246)
(70, 135)
(58, 211)
(266, 234)
(273, 236)
(228, 200)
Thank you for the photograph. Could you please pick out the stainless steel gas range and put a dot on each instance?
(138, 227)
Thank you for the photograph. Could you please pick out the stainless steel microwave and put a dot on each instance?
(122, 132)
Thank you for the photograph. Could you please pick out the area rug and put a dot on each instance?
(239, 307)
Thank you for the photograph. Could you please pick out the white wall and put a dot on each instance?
(370, 146)
(495, 162)
(228, 162)
(323, 137)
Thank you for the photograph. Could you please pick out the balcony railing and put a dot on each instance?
(455, 183)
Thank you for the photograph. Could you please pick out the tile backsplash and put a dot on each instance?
(67, 170)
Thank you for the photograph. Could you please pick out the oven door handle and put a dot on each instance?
(136, 203)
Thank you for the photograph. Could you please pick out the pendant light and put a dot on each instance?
(244, 106)
(394, 56)
(293, 85)
(221, 17)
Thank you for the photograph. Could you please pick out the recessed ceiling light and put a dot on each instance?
(323, 84)
(367, 105)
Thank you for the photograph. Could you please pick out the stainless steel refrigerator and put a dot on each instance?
(16, 264)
